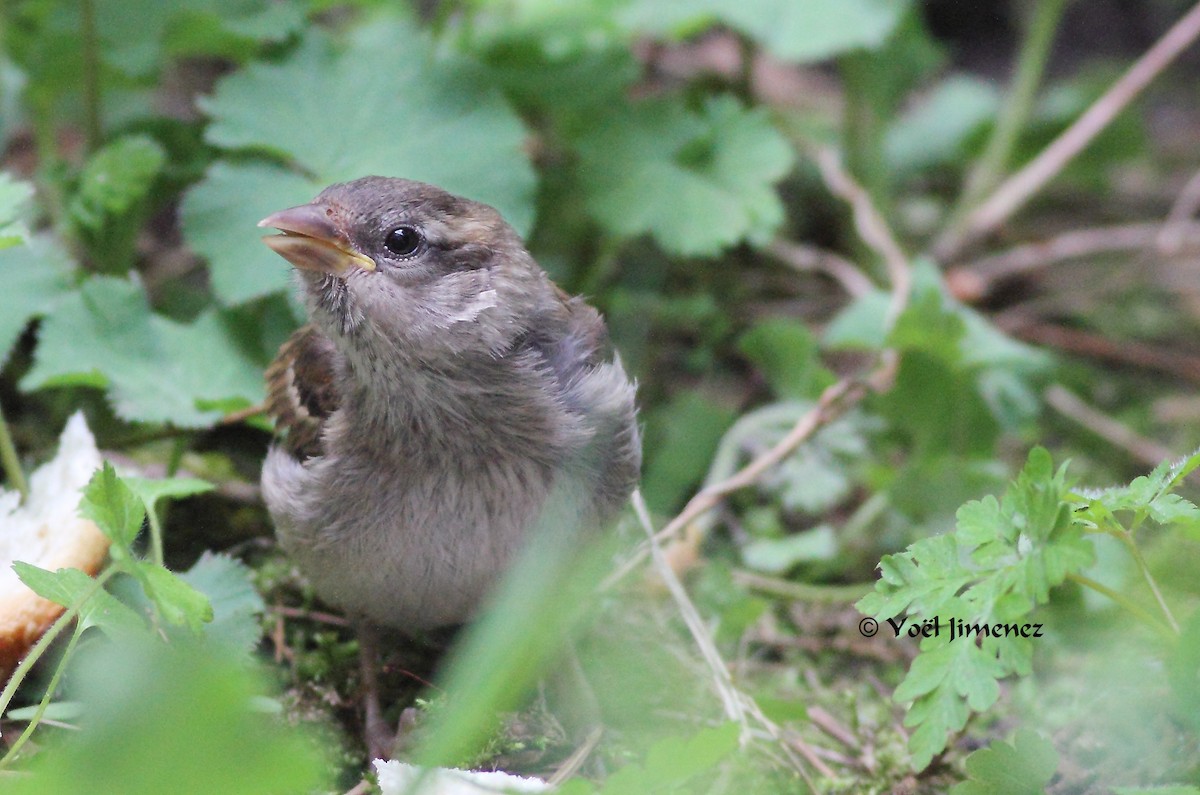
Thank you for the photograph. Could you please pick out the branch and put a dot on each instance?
(973, 281)
(1015, 191)
(803, 257)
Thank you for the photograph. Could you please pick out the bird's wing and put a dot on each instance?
(302, 391)
(593, 384)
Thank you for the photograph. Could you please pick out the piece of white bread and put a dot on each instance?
(46, 531)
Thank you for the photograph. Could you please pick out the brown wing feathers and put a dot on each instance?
(301, 391)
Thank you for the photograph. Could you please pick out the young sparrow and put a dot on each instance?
(444, 394)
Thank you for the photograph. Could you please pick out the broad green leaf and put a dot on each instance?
(698, 182)
(68, 587)
(339, 113)
(158, 719)
(1022, 767)
(115, 179)
(137, 35)
(681, 438)
(228, 584)
(115, 509)
(14, 196)
(934, 131)
(812, 30)
(36, 276)
(787, 354)
(780, 555)
(177, 601)
(156, 370)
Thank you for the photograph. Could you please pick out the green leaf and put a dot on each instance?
(137, 35)
(934, 132)
(673, 761)
(1022, 767)
(68, 587)
(116, 178)
(809, 31)
(162, 719)
(115, 509)
(682, 436)
(1169, 789)
(151, 490)
(14, 198)
(178, 602)
(787, 354)
(36, 277)
(697, 182)
(412, 113)
(780, 555)
(156, 370)
(228, 584)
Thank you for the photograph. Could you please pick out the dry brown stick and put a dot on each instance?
(1085, 343)
(982, 273)
(1174, 231)
(1067, 403)
(803, 257)
(1014, 192)
(869, 223)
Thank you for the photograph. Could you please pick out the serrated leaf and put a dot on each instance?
(228, 584)
(116, 177)
(384, 126)
(697, 182)
(115, 509)
(36, 277)
(151, 490)
(68, 587)
(156, 370)
(1022, 767)
(809, 31)
(177, 601)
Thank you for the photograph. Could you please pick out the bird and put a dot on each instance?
(442, 395)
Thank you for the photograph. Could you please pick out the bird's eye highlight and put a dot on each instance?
(402, 241)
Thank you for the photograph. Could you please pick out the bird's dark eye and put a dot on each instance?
(402, 241)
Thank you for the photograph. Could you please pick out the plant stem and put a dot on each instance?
(45, 702)
(10, 462)
(1124, 601)
(93, 129)
(863, 127)
(987, 171)
(1127, 539)
(39, 648)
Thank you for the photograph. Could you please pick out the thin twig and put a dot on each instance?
(1086, 343)
(871, 226)
(1014, 192)
(803, 257)
(1076, 244)
(738, 706)
(1147, 451)
(1036, 43)
(1175, 229)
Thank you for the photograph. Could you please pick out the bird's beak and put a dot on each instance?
(311, 241)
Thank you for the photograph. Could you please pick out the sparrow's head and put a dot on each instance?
(409, 262)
